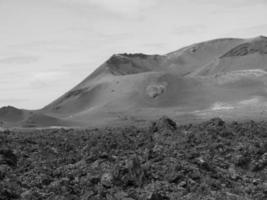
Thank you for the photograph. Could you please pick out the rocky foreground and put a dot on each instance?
(211, 160)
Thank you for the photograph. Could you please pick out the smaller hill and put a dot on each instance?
(126, 64)
(256, 45)
(11, 114)
(251, 54)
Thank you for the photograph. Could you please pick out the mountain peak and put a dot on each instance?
(8, 108)
(125, 63)
(251, 46)
(133, 55)
(262, 37)
(121, 58)
(10, 113)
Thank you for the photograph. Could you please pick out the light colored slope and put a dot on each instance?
(42, 120)
(237, 75)
(133, 91)
(251, 54)
(127, 64)
(87, 94)
(190, 79)
(130, 96)
(252, 61)
(189, 59)
(97, 94)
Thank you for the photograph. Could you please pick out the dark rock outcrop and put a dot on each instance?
(164, 123)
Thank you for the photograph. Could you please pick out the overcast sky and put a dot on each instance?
(48, 46)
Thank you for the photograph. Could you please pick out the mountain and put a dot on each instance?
(10, 116)
(223, 77)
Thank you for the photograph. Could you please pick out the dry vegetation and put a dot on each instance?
(211, 160)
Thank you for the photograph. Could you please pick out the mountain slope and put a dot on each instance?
(181, 62)
(251, 54)
(11, 116)
(192, 80)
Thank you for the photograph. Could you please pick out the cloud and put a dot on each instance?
(19, 60)
(114, 37)
(125, 7)
(122, 6)
(156, 45)
(8, 101)
(70, 45)
(77, 66)
(230, 3)
(44, 79)
(49, 45)
(255, 30)
(189, 29)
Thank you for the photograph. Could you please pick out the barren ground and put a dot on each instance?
(211, 160)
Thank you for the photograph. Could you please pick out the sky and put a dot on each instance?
(49, 46)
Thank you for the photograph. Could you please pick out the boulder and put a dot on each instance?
(157, 196)
(164, 123)
(7, 157)
(107, 179)
(216, 122)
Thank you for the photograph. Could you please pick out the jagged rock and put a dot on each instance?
(130, 172)
(217, 122)
(155, 90)
(107, 179)
(7, 157)
(264, 187)
(232, 196)
(26, 195)
(122, 196)
(260, 164)
(204, 164)
(130, 164)
(241, 160)
(164, 123)
(93, 179)
(8, 194)
(157, 196)
(233, 173)
(88, 195)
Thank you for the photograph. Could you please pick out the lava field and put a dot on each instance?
(213, 160)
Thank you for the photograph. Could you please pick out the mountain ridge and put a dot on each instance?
(141, 86)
